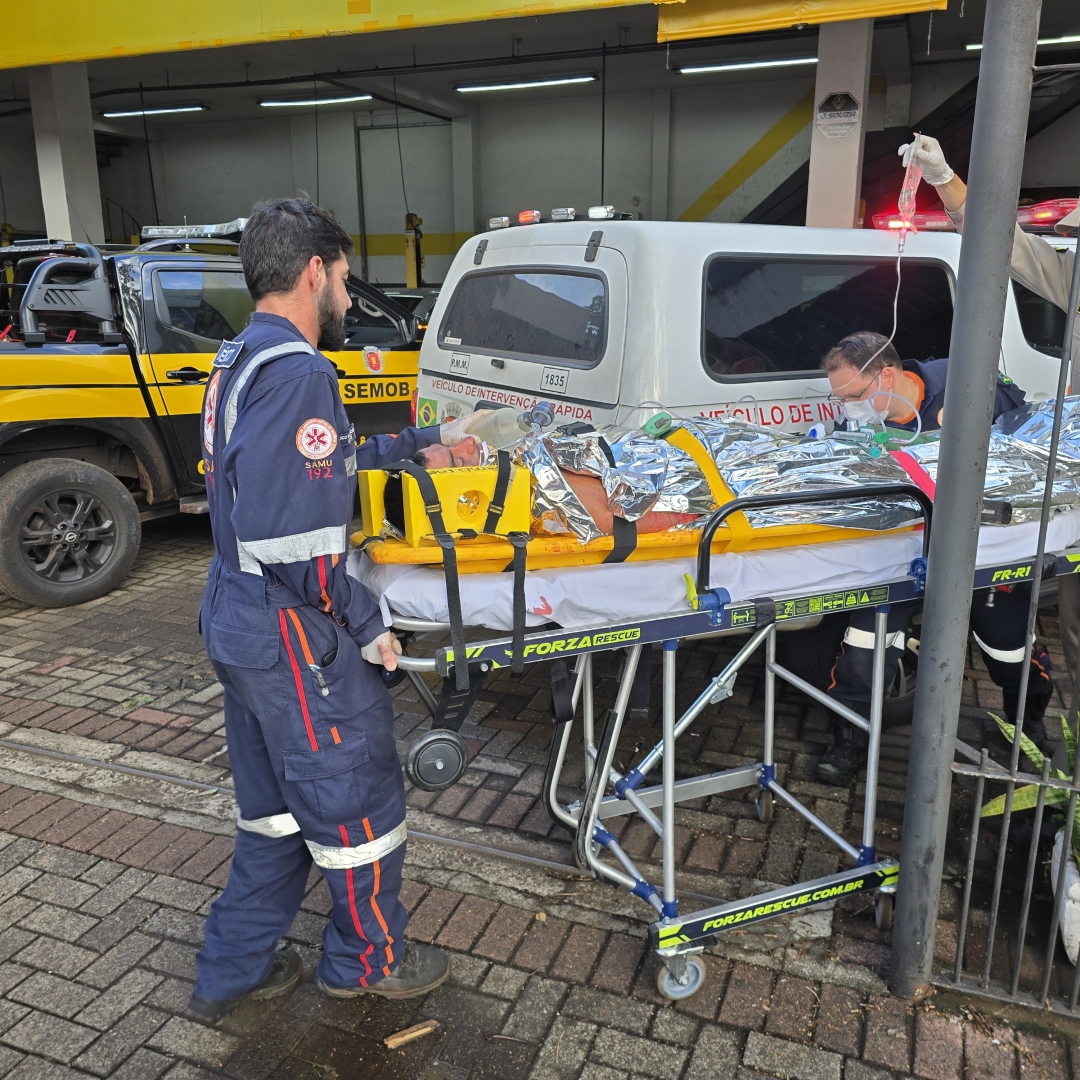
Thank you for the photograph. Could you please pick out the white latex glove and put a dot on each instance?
(384, 650)
(929, 157)
(452, 432)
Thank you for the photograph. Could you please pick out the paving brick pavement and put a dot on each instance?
(101, 899)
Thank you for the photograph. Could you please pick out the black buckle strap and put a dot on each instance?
(764, 611)
(520, 540)
(433, 508)
(562, 695)
(624, 533)
(498, 499)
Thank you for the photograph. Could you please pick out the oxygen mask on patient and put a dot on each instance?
(866, 414)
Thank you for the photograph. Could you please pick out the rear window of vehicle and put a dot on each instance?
(530, 314)
(1043, 323)
(212, 304)
(771, 318)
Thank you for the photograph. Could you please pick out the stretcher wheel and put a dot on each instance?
(437, 760)
(764, 806)
(667, 985)
(392, 678)
(883, 910)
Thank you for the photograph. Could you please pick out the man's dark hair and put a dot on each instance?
(280, 239)
(856, 349)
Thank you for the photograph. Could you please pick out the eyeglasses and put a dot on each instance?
(846, 399)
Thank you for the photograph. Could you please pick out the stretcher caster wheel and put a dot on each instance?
(883, 911)
(438, 760)
(764, 806)
(671, 988)
(392, 678)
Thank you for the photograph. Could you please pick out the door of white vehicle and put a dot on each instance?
(533, 323)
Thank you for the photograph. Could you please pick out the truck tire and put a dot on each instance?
(69, 532)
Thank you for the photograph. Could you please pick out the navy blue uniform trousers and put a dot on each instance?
(318, 746)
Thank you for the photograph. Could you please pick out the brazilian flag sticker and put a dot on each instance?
(427, 412)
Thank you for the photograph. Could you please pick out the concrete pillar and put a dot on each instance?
(661, 153)
(465, 149)
(67, 160)
(840, 106)
(892, 46)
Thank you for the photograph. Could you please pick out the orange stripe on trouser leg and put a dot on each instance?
(355, 914)
(374, 903)
(337, 737)
(298, 680)
(301, 635)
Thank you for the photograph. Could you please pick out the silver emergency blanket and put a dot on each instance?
(1019, 452)
(652, 475)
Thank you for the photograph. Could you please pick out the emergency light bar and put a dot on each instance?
(529, 217)
(1041, 217)
(563, 213)
(601, 213)
(498, 223)
(193, 232)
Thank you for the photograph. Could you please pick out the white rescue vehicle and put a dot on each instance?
(605, 316)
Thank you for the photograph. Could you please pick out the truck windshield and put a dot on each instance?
(212, 304)
(779, 317)
(531, 314)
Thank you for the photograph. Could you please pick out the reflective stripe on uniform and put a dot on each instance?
(1005, 656)
(864, 639)
(275, 825)
(350, 464)
(297, 548)
(249, 369)
(346, 858)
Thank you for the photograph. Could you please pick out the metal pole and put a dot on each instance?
(997, 156)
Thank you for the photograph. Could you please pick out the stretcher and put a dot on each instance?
(633, 607)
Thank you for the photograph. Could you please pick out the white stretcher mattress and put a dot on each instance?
(581, 596)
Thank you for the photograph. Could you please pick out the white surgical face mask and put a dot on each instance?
(864, 412)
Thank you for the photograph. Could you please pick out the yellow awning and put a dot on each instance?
(713, 18)
(68, 30)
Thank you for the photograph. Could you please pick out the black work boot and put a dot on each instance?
(841, 762)
(422, 968)
(284, 975)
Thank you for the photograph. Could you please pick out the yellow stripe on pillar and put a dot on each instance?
(775, 139)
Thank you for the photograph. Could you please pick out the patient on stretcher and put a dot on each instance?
(588, 488)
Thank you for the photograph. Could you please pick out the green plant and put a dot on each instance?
(1025, 798)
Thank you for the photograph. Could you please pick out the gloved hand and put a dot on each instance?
(453, 431)
(929, 157)
(384, 650)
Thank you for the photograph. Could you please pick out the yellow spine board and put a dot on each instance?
(465, 495)
(486, 555)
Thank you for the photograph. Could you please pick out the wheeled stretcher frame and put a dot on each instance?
(677, 938)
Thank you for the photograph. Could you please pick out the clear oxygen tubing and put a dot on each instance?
(906, 208)
(884, 424)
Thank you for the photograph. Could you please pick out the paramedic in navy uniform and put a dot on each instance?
(297, 644)
(874, 387)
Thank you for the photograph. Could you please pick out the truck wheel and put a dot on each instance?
(70, 532)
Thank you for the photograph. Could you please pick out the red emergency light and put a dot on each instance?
(529, 217)
(929, 221)
(1042, 217)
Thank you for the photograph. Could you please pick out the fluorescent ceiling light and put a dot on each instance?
(747, 65)
(284, 104)
(562, 80)
(1066, 40)
(159, 111)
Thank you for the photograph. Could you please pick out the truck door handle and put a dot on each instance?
(188, 375)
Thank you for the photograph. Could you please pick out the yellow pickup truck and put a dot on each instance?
(105, 353)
